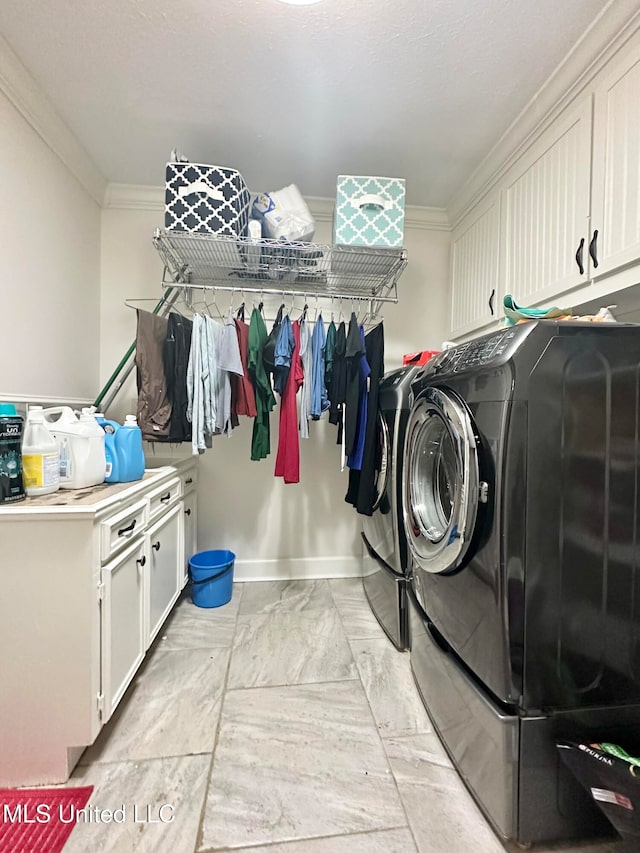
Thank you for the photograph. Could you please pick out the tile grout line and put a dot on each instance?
(380, 738)
(216, 736)
(305, 839)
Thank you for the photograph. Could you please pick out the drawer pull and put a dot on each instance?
(156, 546)
(165, 498)
(188, 481)
(128, 529)
(142, 561)
(187, 512)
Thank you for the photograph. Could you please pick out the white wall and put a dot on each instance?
(276, 530)
(49, 272)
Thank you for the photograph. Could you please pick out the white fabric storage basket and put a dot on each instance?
(206, 199)
(369, 211)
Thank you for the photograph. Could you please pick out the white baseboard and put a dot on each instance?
(302, 568)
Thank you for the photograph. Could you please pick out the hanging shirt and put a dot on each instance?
(175, 354)
(354, 460)
(362, 491)
(305, 394)
(288, 456)
(338, 394)
(228, 363)
(354, 352)
(195, 404)
(265, 401)
(319, 398)
(243, 399)
(211, 333)
(283, 353)
(329, 348)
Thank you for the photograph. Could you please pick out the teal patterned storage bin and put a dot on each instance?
(369, 211)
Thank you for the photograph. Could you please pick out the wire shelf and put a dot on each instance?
(274, 266)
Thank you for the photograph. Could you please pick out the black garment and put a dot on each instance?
(361, 492)
(338, 386)
(175, 353)
(354, 352)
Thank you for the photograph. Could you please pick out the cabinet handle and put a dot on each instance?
(124, 530)
(156, 546)
(187, 512)
(593, 248)
(142, 561)
(493, 293)
(165, 498)
(189, 481)
(579, 256)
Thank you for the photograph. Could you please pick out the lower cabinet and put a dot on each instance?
(122, 624)
(164, 569)
(190, 533)
(90, 578)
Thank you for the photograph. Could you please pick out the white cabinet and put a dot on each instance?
(122, 624)
(88, 577)
(615, 219)
(475, 267)
(546, 211)
(190, 509)
(164, 569)
(569, 206)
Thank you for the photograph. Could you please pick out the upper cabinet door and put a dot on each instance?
(616, 165)
(475, 267)
(546, 210)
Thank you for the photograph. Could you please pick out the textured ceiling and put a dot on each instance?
(419, 89)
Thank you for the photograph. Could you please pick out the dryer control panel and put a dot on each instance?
(472, 354)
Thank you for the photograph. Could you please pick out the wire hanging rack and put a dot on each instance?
(279, 267)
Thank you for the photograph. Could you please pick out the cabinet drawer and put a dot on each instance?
(189, 480)
(120, 529)
(164, 496)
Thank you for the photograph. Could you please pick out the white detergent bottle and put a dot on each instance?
(81, 447)
(40, 456)
(96, 460)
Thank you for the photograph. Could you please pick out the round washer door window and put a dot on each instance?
(441, 481)
(383, 459)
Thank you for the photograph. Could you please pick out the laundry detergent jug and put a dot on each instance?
(81, 446)
(129, 450)
(110, 429)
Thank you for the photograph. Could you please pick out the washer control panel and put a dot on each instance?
(472, 354)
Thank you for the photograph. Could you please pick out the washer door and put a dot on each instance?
(383, 459)
(441, 481)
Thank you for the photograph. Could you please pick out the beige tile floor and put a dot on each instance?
(284, 722)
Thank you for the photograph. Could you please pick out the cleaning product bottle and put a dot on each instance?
(11, 484)
(93, 428)
(129, 450)
(81, 446)
(110, 429)
(40, 456)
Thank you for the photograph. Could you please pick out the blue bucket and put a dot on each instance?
(211, 574)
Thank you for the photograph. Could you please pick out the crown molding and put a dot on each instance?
(613, 27)
(138, 197)
(32, 103)
(133, 197)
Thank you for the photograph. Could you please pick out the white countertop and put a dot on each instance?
(87, 501)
